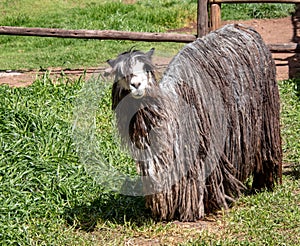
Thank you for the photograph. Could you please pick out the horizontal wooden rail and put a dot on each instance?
(284, 48)
(97, 34)
(137, 36)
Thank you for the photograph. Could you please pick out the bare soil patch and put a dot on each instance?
(273, 31)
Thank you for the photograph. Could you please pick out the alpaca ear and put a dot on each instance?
(111, 62)
(108, 71)
(150, 53)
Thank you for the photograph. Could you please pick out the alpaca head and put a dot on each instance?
(133, 71)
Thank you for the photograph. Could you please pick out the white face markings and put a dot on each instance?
(133, 71)
(139, 80)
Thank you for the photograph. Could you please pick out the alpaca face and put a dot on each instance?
(139, 80)
(133, 72)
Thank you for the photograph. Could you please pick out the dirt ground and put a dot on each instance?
(273, 31)
(277, 31)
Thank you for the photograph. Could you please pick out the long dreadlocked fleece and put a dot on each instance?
(209, 125)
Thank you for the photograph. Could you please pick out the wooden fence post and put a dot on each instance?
(202, 18)
(215, 16)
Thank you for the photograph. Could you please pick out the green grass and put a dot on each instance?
(255, 11)
(264, 219)
(290, 122)
(49, 196)
(145, 15)
(32, 52)
(45, 190)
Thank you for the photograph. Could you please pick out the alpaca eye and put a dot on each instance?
(128, 77)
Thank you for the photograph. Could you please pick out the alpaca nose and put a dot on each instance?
(136, 85)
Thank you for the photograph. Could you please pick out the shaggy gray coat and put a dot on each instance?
(207, 127)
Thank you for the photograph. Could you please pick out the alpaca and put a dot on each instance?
(210, 124)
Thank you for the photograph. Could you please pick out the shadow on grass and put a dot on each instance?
(109, 207)
(292, 170)
(296, 83)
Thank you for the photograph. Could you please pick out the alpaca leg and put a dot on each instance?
(267, 176)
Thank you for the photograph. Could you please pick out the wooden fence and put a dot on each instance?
(208, 19)
(215, 8)
(202, 29)
(97, 34)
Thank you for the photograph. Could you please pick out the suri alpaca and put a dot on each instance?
(206, 128)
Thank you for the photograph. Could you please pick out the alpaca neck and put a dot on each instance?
(136, 118)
